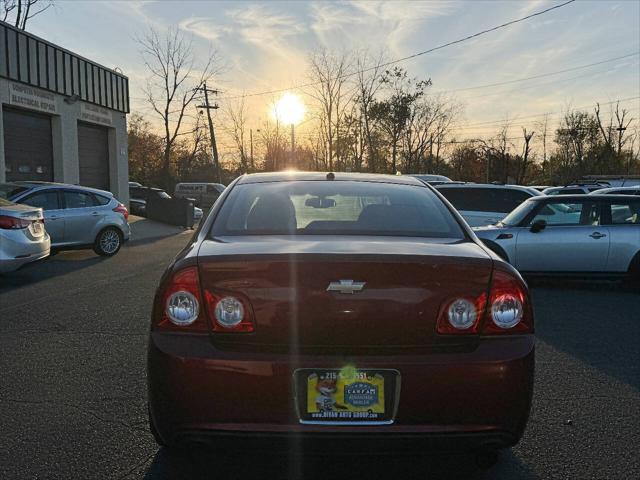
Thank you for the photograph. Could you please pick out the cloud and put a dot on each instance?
(204, 27)
(262, 27)
(363, 22)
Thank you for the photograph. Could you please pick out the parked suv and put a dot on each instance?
(432, 179)
(575, 188)
(76, 217)
(485, 204)
(635, 190)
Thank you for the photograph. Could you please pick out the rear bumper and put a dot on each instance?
(469, 399)
(349, 443)
(17, 250)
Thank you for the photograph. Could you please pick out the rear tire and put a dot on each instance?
(154, 431)
(633, 273)
(108, 242)
(486, 458)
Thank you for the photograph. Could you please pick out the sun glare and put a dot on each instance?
(289, 109)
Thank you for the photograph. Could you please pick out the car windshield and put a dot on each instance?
(335, 208)
(163, 194)
(8, 190)
(517, 215)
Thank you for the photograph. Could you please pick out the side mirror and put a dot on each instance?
(538, 226)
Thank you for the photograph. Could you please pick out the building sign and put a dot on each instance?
(33, 98)
(95, 114)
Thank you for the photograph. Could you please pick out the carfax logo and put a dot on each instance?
(361, 394)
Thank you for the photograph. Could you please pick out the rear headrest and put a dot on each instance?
(272, 212)
(391, 217)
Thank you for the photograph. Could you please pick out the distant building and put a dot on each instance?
(62, 116)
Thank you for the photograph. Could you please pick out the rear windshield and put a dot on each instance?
(335, 208)
(9, 191)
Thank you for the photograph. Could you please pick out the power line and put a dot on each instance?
(410, 57)
(551, 113)
(508, 82)
(535, 85)
(548, 74)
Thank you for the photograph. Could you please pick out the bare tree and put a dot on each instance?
(235, 114)
(192, 147)
(174, 77)
(621, 126)
(633, 153)
(369, 72)
(496, 149)
(429, 122)
(448, 112)
(329, 73)
(543, 127)
(272, 139)
(526, 152)
(23, 10)
(608, 131)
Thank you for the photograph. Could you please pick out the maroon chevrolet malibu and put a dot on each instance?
(340, 308)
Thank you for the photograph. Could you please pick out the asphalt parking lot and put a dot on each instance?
(72, 382)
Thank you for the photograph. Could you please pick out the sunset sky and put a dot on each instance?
(265, 46)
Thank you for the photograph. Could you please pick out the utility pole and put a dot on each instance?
(293, 144)
(214, 146)
(251, 143)
(621, 130)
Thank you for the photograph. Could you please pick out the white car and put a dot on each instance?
(23, 238)
(634, 190)
(575, 189)
(485, 204)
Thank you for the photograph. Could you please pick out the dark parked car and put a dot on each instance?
(341, 306)
(139, 196)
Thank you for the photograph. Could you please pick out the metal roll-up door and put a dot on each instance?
(28, 150)
(93, 155)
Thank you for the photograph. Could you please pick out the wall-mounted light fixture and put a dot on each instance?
(72, 99)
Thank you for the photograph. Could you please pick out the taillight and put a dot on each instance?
(461, 316)
(123, 210)
(509, 309)
(228, 313)
(183, 308)
(13, 223)
(182, 303)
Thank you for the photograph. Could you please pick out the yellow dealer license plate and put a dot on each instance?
(348, 395)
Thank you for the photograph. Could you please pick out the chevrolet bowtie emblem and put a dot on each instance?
(345, 286)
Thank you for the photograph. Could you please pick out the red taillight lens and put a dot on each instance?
(229, 313)
(123, 210)
(509, 309)
(182, 303)
(461, 316)
(13, 223)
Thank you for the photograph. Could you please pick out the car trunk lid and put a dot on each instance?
(301, 296)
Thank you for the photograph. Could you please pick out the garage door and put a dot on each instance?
(93, 155)
(28, 150)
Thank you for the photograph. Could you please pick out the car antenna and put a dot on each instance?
(331, 176)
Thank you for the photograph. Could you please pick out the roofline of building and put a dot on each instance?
(62, 49)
